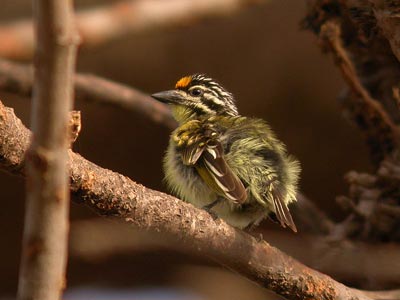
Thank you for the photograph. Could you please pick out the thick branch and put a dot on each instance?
(44, 251)
(111, 194)
(17, 78)
(102, 24)
(384, 295)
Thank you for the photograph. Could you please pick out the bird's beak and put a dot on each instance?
(171, 96)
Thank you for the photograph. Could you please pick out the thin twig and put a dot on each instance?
(112, 194)
(396, 94)
(18, 78)
(330, 32)
(100, 25)
(44, 255)
(371, 117)
(93, 88)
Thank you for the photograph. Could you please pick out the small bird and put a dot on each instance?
(230, 165)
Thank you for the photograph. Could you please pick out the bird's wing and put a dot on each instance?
(282, 211)
(204, 151)
(214, 170)
(190, 141)
(193, 150)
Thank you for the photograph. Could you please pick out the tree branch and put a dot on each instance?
(93, 88)
(353, 33)
(103, 24)
(44, 251)
(346, 260)
(17, 78)
(384, 295)
(111, 194)
(373, 120)
(389, 21)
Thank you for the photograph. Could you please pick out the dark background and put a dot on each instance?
(275, 70)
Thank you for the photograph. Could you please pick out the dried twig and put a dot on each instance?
(102, 24)
(17, 78)
(355, 35)
(44, 254)
(74, 126)
(111, 194)
(382, 134)
(388, 19)
(93, 88)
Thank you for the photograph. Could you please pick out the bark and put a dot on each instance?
(44, 253)
(111, 194)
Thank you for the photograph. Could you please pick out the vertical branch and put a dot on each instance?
(44, 255)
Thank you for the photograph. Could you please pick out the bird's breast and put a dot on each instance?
(184, 180)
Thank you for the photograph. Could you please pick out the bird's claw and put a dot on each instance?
(212, 213)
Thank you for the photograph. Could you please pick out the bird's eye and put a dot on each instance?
(196, 92)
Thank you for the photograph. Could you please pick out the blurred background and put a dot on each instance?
(276, 71)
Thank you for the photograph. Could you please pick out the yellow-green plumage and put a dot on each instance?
(217, 154)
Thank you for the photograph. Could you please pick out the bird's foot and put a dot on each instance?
(249, 228)
(209, 206)
(260, 238)
(212, 213)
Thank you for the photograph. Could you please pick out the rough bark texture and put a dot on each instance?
(44, 253)
(362, 37)
(111, 194)
(15, 78)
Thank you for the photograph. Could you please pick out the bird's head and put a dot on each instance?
(197, 96)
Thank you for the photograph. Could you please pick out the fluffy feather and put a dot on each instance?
(217, 154)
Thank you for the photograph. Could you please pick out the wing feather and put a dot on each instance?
(223, 179)
(204, 151)
(192, 153)
(282, 211)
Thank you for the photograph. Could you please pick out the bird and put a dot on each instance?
(230, 165)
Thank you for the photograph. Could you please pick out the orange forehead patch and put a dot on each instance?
(183, 82)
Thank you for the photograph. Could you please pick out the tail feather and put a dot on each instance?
(283, 214)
